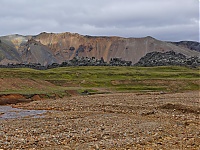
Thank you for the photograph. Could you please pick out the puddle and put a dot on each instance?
(7, 112)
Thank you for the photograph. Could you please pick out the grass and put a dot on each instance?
(140, 88)
(115, 78)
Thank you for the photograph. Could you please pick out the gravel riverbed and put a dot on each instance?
(107, 121)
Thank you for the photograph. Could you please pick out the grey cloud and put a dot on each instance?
(162, 19)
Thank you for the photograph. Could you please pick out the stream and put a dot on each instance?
(8, 112)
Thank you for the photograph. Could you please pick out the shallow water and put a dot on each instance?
(7, 112)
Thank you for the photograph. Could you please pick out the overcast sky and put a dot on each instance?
(170, 20)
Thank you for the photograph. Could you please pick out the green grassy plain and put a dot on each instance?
(94, 79)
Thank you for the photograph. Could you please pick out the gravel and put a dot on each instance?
(107, 121)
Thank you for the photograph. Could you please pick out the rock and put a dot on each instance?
(71, 48)
(146, 113)
(36, 98)
(119, 62)
(96, 147)
(169, 58)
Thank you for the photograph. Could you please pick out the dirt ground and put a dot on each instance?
(108, 121)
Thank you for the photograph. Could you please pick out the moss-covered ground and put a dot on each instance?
(99, 79)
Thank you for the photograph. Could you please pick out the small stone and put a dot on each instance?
(96, 147)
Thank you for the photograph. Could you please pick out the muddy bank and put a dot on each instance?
(6, 99)
(17, 98)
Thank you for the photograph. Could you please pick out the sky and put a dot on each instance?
(168, 20)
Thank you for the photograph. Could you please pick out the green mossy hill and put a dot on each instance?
(169, 79)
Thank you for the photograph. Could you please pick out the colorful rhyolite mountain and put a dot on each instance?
(48, 48)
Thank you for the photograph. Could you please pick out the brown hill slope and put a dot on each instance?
(47, 48)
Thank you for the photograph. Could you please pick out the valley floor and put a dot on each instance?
(108, 121)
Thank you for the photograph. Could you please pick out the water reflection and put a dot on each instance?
(7, 112)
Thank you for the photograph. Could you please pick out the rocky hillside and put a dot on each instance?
(48, 48)
(169, 58)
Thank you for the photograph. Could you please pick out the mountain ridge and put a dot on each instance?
(193, 45)
(47, 48)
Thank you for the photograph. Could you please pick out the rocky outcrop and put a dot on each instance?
(76, 61)
(35, 52)
(49, 48)
(167, 59)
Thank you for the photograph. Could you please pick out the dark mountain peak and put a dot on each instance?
(192, 45)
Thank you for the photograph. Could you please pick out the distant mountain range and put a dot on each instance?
(188, 44)
(48, 48)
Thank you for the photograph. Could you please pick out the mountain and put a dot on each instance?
(48, 48)
(188, 44)
(24, 49)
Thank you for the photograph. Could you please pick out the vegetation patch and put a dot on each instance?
(58, 81)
